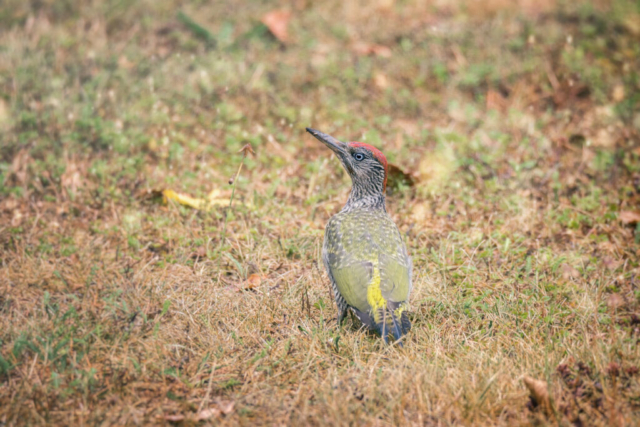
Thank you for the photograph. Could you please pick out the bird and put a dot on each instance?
(363, 251)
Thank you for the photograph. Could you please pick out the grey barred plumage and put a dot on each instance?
(363, 251)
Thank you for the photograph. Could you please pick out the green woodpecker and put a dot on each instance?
(363, 251)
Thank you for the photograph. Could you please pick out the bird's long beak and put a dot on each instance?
(337, 146)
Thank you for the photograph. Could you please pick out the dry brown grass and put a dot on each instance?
(118, 310)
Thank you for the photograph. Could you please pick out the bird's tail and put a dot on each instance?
(392, 322)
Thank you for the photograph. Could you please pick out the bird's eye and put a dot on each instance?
(359, 156)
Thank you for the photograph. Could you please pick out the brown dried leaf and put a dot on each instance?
(632, 23)
(253, 281)
(611, 263)
(174, 418)
(618, 93)
(206, 414)
(247, 149)
(629, 217)
(385, 5)
(226, 406)
(19, 165)
(277, 21)
(123, 62)
(380, 81)
(398, 176)
(71, 179)
(568, 271)
(364, 49)
(539, 392)
(9, 204)
(615, 301)
(495, 100)
(200, 253)
(17, 218)
(4, 112)
(420, 212)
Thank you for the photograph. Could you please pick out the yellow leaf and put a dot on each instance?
(193, 202)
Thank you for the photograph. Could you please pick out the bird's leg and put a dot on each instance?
(353, 316)
(341, 315)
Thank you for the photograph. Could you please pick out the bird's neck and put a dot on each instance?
(365, 197)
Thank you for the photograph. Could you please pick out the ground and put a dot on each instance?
(513, 128)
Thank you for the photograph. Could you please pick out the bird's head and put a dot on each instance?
(366, 165)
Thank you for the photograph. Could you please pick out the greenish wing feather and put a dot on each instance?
(343, 306)
(395, 278)
(351, 273)
(352, 281)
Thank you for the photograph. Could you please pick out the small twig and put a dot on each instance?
(246, 149)
(205, 401)
(555, 84)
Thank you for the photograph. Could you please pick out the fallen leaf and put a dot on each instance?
(71, 179)
(226, 406)
(247, 149)
(618, 93)
(200, 253)
(396, 177)
(380, 81)
(632, 24)
(174, 418)
(629, 217)
(9, 204)
(277, 21)
(152, 145)
(611, 263)
(568, 271)
(420, 212)
(604, 138)
(205, 414)
(253, 281)
(615, 301)
(4, 112)
(385, 5)
(495, 100)
(123, 62)
(19, 165)
(364, 49)
(539, 392)
(195, 203)
(17, 218)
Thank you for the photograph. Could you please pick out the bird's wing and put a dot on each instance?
(351, 277)
(350, 272)
(395, 277)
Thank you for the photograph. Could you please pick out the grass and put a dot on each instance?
(518, 123)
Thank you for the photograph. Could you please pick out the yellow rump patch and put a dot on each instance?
(374, 294)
